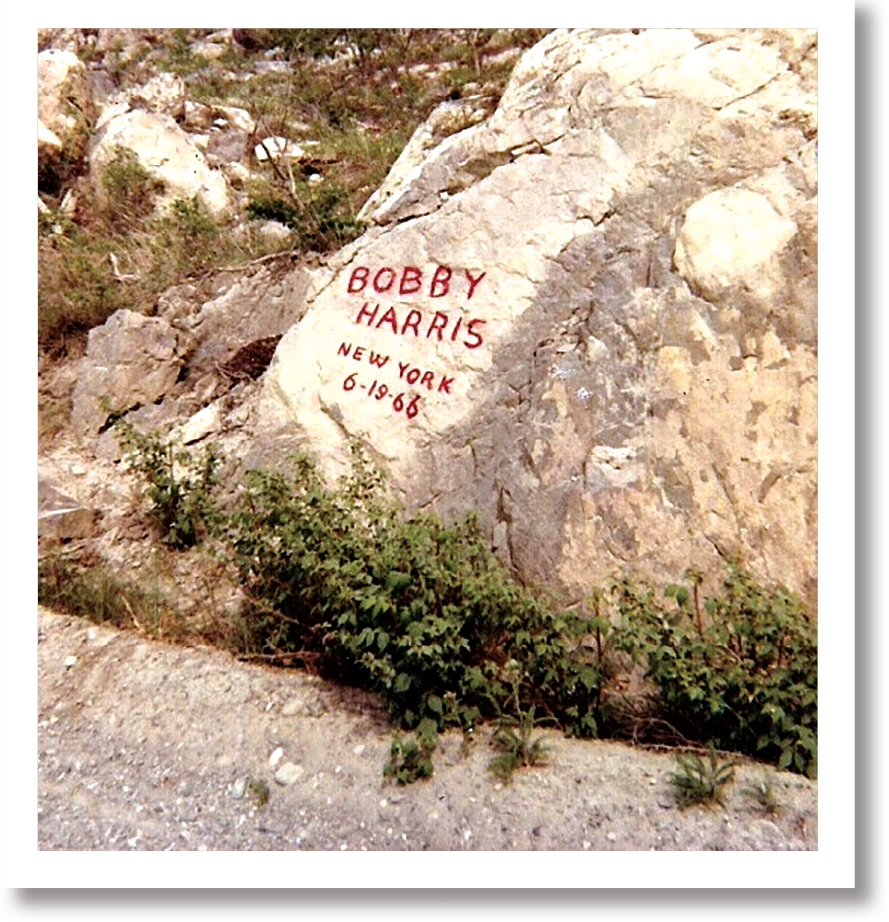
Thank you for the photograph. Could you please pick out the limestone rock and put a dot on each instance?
(163, 94)
(166, 152)
(59, 516)
(131, 361)
(591, 317)
(64, 104)
(262, 305)
(65, 108)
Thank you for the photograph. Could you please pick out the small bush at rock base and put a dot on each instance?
(410, 759)
(741, 670)
(178, 487)
(418, 611)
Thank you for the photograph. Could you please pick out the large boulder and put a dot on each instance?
(592, 317)
(167, 154)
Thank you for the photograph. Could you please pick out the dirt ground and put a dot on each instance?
(144, 746)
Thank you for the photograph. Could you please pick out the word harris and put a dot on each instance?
(409, 280)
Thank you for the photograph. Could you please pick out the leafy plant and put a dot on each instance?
(741, 670)
(317, 216)
(417, 611)
(178, 486)
(517, 749)
(700, 782)
(410, 759)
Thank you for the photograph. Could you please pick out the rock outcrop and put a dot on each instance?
(592, 316)
(131, 361)
(166, 152)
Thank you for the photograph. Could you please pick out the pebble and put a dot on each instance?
(292, 708)
(70, 661)
(275, 757)
(289, 773)
(238, 787)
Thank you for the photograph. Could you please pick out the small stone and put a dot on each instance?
(359, 749)
(289, 773)
(275, 757)
(612, 837)
(292, 708)
(238, 788)
(70, 661)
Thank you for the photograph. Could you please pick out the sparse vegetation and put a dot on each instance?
(178, 486)
(410, 758)
(765, 795)
(516, 748)
(701, 782)
(82, 585)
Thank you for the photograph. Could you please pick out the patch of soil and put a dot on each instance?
(145, 746)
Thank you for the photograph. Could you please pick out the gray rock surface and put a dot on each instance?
(131, 360)
(592, 317)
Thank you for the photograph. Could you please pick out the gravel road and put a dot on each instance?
(145, 746)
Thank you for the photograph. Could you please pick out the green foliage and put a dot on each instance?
(517, 749)
(316, 215)
(130, 189)
(741, 671)
(700, 782)
(410, 759)
(418, 611)
(186, 240)
(178, 488)
(259, 791)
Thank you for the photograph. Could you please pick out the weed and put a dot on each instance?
(84, 587)
(315, 215)
(764, 794)
(259, 791)
(699, 782)
(517, 749)
(130, 190)
(410, 759)
(178, 486)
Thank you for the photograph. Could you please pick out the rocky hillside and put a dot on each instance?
(585, 309)
(564, 282)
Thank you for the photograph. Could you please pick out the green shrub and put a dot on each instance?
(129, 188)
(741, 672)
(178, 488)
(415, 610)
